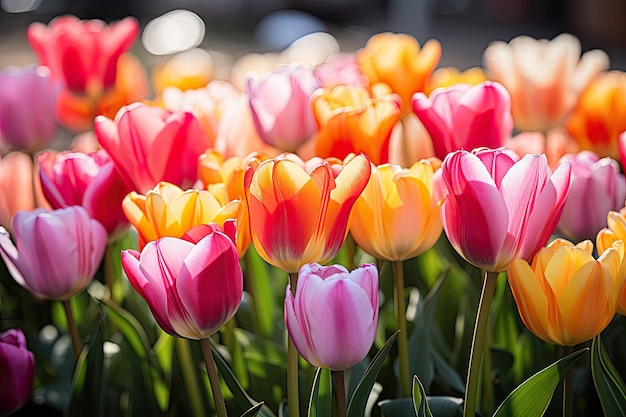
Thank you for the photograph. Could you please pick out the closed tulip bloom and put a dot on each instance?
(191, 289)
(16, 186)
(499, 207)
(565, 296)
(342, 68)
(351, 121)
(615, 230)
(17, 371)
(28, 99)
(597, 187)
(88, 180)
(168, 210)
(299, 211)
(149, 145)
(545, 77)
(397, 215)
(449, 76)
(281, 108)
(340, 334)
(555, 145)
(465, 117)
(56, 252)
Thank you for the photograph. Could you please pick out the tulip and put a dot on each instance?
(498, 207)
(555, 145)
(351, 121)
(16, 186)
(149, 145)
(28, 98)
(398, 60)
(280, 104)
(597, 187)
(622, 148)
(565, 296)
(300, 210)
(410, 142)
(57, 252)
(17, 371)
(191, 289)
(544, 77)
(88, 180)
(465, 117)
(342, 69)
(615, 230)
(449, 76)
(340, 334)
(168, 210)
(185, 70)
(397, 215)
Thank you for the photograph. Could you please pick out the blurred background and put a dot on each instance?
(464, 27)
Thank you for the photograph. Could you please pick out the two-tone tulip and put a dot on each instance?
(17, 371)
(615, 230)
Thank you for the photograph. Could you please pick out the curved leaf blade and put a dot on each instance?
(609, 385)
(321, 402)
(420, 403)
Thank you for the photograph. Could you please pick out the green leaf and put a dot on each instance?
(321, 403)
(533, 396)
(609, 385)
(358, 402)
(440, 406)
(129, 326)
(259, 279)
(420, 403)
(253, 411)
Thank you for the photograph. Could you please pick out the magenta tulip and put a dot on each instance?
(597, 187)
(28, 99)
(17, 371)
(332, 318)
(191, 289)
(500, 207)
(281, 107)
(465, 117)
(88, 180)
(57, 252)
(149, 145)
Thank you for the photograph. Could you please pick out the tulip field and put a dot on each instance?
(366, 233)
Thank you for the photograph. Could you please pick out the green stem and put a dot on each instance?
(487, 371)
(213, 378)
(351, 250)
(109, 268)
(478, 341)
(187, 368)
(251, 288)
(340, 389)
(403, 351)
(71, 326)
(568, 387)
(293, 401)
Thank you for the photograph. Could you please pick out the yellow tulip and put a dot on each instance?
(168, 210)
(397, 215)
(567, 297)
(448, 76)
(616, 230)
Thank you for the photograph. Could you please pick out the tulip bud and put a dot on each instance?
(17, 371)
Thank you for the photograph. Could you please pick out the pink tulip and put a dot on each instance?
(17, 371)
(58, 251)
(149, 145)
(281, 107)
(597, 187)
(88, 180)
(28, 99)
(83, 53)
(341, 69)
(465, 117)
(500, 207)
(191, 289)
(332, 318)
(622, 148)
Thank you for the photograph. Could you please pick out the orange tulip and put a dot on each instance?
(16, 186)
(397, 60)
(615, 231)
(397, 215)
(299, 211)
(185, 70)
(351, 121)
(168, 210)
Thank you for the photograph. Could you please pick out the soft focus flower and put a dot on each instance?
(88, 180)
(341, 69)
(449, 76)
(499, 207)
(191, 289)
(465, 117)
(555, 144)
(397, 60)
(397, 217)
(351, 121)
(280, 104)
(168, 210)
(16, 186)
(409, 142)
(600, 116)
(28, 99)
(185, 70)
(615, 230)
(332, 318)
(150, 145)
(545, 78)
(565, 296)
(17, 371)
(596, 187)
(57, 252)
(300, 210)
